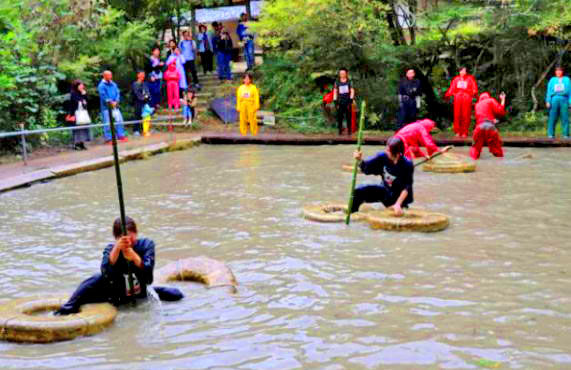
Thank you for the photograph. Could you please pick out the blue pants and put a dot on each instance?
(407, 112)
(375, 194)
(187, 112)
(98, 290)
(249, 54)
(120, 130)
(559, 109)
(155, 91)
(223, 66)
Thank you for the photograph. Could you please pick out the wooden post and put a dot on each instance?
(193, 20)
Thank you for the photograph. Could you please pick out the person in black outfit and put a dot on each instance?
(78, 96)
(343, 95)
(205, 47)
(141, 96)
(111, 285)
(397, 174)
(154, 70)
(409, 92)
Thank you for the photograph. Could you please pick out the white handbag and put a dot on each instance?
(82, 116)
(117, 116)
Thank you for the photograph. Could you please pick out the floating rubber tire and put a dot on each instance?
(19, 324)
(412, 220)
(203, 270)
(349, 168)
(333, 212)
(449, 163)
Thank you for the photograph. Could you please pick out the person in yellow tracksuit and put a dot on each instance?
(247, 104)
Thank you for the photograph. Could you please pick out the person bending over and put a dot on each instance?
(112, 284)
(417, 134)
(488, 111)
(396, 172)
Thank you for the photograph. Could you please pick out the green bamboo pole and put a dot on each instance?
(356, 167)
(120, 193)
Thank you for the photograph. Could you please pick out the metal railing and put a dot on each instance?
(23, 132)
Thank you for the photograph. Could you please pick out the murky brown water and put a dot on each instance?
(494, 289)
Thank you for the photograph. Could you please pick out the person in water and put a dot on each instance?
(112, 284)
(396, 172)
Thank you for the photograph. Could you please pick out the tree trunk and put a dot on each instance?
(193, 20)
(249, 9)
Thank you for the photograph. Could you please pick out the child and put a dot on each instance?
(146, 114)
(172, 77)
(397, 173)
(189, 107)
(247, 104)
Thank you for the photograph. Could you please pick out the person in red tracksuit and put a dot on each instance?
(417, 134)
(464, 88)
(488, 110)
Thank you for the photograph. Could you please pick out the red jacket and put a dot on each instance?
(172, 74)
(328, 98)
(464, 85)
(488, 109)
(417, 134)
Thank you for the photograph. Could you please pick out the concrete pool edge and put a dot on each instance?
(144, 152)
(59, 171)
(298, 139)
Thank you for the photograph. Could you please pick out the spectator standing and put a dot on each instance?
(409, 92)
(247, 38)
(343, 96)
(224, 48)
(110, 98)
(205, 49)
(77, 114)
(178, 58)
(154, 71)
(141, 96)
(188, 48)
(557, 100)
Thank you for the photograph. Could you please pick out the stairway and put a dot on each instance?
(211, 88)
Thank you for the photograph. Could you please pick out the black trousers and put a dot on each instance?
(207, 60)
(138, 127)
(344, 111)
(190, 68)
(98, 290)
(374, 194)
(407, 113)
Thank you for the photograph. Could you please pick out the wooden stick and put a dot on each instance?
(356, 166)
(448, 148)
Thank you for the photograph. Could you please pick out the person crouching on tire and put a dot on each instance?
(112, 285)
(488, 110)
(247, 104)
(343, 95)
(396, 172)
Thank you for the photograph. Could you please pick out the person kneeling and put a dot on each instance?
(396, 172)
(112, 284)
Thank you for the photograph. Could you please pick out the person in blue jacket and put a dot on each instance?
(558, 100)
(248, 39)
(111, 285)
(397, 174)
(188, 49)
(109, 97)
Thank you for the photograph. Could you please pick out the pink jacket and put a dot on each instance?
(417, 134)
